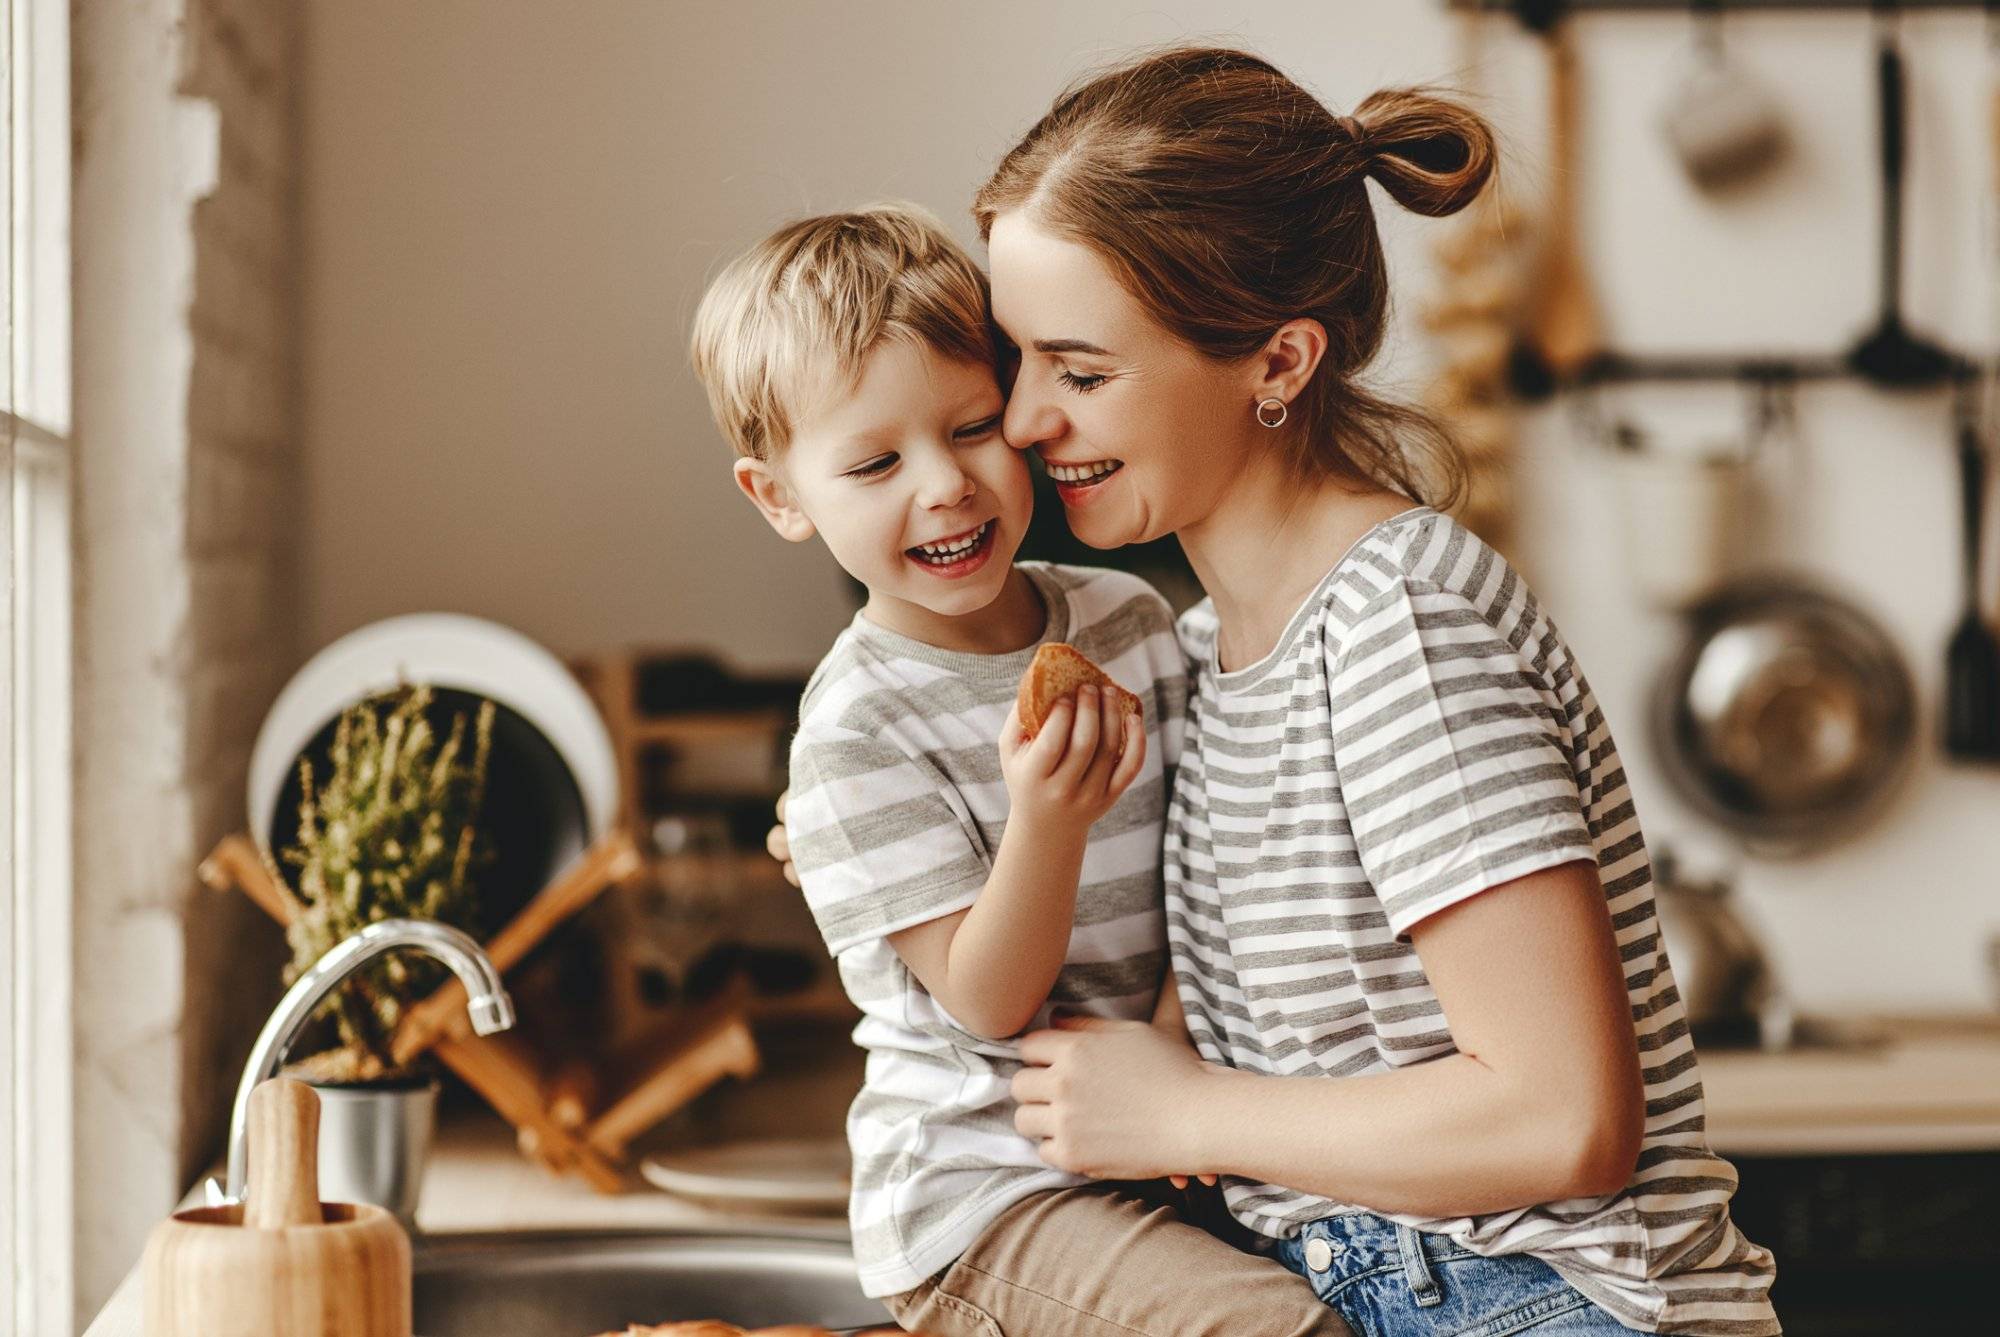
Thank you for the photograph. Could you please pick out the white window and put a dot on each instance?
(36, 1153)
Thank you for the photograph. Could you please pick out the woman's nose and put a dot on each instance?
(1031, 416)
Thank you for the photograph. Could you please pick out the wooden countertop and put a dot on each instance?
(1927, 1086)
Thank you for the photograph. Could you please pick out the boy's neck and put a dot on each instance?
(1014, 620)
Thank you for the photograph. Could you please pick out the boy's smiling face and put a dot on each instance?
(909, 456)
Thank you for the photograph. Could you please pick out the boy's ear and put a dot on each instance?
(773, 500)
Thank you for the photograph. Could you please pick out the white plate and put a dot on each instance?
(443, 650)
(805, 1175)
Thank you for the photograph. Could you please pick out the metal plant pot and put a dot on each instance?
(374, 1142)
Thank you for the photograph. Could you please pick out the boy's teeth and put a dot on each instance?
(960, 545)
(1082, 473)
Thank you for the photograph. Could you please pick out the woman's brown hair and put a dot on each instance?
(1230, 200)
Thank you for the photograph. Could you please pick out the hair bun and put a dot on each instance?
(1432, 155)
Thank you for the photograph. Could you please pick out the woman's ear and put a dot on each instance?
(773, 499)
(1288, 359)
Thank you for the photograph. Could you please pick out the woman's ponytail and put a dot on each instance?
(1432, 155)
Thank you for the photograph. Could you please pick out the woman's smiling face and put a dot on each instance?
(1140, 431)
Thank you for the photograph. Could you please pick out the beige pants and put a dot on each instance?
(1104, 1261)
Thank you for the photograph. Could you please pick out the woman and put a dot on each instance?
(1439, 1061)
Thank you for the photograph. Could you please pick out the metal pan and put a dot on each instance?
(1787, 716)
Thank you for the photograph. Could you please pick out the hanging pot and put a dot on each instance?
(1681, 519)
(1722, 125)
(1787, 715)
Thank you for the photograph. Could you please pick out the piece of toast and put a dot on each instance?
(712, 1328)
(1057, 671)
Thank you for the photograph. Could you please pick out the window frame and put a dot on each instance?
(37, 1151)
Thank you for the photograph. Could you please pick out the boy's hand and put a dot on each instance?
(1086, 756)
(780, 845)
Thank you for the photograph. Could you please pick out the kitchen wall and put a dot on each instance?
(510, 211)
(185, 255)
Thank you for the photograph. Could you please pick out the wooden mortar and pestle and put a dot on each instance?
(282, 1263)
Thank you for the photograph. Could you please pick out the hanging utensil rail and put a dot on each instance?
(1533, 380)
(1754, 368)
(1536, 13)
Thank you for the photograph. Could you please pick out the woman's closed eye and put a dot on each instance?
(1081, 382)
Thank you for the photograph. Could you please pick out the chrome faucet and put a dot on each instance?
(487, 1002)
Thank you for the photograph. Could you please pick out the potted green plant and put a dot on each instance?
(391, 831)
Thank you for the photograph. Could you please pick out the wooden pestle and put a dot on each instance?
(284, 1157)
(282, 1264)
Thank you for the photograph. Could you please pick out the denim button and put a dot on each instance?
(1319, 1254)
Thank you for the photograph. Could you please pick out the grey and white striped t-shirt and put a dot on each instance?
(896, 812)
(1420, 734)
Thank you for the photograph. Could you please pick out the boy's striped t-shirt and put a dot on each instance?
(1420, 734)
(896, 813)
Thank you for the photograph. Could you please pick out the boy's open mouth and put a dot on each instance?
(957, 556)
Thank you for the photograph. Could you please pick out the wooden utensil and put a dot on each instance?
(1562, 327)
(283, 1263)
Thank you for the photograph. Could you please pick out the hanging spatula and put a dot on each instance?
(1891, 354)
(1972, 662)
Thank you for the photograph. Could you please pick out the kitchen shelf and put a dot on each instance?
(614, 683)
(822, 1002)
(750, 726)
(751, 869)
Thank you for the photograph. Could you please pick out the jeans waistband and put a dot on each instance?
(1361, 1242)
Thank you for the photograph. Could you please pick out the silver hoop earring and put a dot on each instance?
(1264, 412)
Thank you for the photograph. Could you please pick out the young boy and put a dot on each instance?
(965, 892)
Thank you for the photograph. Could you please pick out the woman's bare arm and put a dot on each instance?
(1543, 1101)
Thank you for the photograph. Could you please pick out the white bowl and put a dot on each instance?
(443, 650)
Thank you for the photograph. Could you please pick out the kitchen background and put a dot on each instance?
(509, 213)
(415, 310)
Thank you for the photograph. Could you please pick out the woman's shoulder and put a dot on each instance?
(1421, 552)
(1428, 576)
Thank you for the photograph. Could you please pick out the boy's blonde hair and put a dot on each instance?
(791, 320)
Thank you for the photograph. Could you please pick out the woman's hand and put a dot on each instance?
(1110, 1099)
(1073, 771)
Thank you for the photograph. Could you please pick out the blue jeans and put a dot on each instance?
(1388, 1280)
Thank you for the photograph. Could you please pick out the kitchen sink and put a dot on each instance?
(571, 1285)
